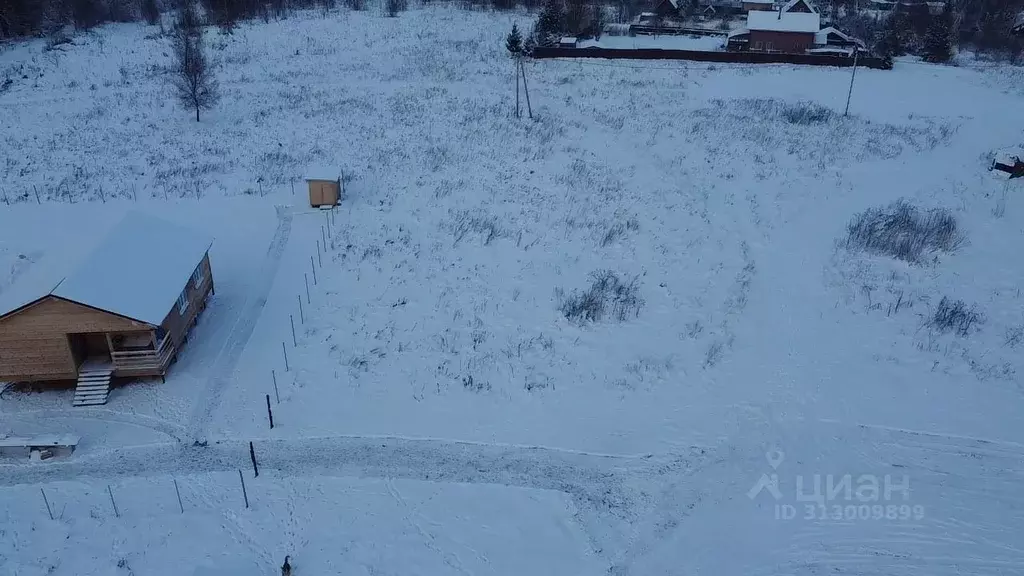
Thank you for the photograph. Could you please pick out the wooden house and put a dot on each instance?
(126, 311)
(325, 188)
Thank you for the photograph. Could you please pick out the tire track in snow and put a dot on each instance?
(175, 431)
(610, 493)
(409, 514)
(227, 359)
(607, 490)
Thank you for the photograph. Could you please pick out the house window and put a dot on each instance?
(197, 276)
(183, 302)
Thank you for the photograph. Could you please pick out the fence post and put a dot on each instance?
(276, 393)
(47, 502)
(270, 413)
(312, 265)
(302, 317)
(252, 456)
(295, 342)
(244, 494)
(178, 494)
(113, 504)
(285, 351)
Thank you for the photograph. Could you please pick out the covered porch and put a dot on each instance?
(138, 353)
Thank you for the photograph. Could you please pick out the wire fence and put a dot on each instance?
(712, 56)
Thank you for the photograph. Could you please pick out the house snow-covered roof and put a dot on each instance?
(789, 5)
(784, 21)
(322, 173)
(738, 32)
(821, 38)
(759, 1)
(139, 269)
(1018, 24)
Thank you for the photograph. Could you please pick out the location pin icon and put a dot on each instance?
(775, 458)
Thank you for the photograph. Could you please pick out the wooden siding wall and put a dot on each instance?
(34, 345)
(175, 323)
(324, 192)
(785, 42)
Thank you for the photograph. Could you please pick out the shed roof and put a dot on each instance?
(138, 270)
(323, 173)
(784, 21)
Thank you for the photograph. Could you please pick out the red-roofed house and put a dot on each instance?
(790, 29)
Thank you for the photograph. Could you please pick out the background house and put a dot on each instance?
(720, 7)
(789, 32)
(667, 8)
(834, 37)
(758, 5)
(799, 6)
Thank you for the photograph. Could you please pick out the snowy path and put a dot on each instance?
(640, 511)
(227, 359)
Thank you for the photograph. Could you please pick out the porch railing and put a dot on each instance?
(144, 359)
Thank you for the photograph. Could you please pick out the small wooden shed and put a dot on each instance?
(325, 188)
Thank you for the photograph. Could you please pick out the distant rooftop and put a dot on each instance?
(784, 21)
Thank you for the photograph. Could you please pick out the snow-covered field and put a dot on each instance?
(328, 525)
(434, 347)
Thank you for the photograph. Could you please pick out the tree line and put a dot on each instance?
(986, 25)
(26, 18)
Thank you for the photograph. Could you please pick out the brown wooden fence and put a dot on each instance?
(708, 56)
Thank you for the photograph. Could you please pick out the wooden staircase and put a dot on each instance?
(93, 387)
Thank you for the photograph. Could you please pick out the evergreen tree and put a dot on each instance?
(151, 12)
(938, 40)
(549, 23)
(895, 35)
(514, 41)
(86, 14)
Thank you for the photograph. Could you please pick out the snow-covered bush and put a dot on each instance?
(955, 316)
(807, 113)
(903, 231)
(607, 293)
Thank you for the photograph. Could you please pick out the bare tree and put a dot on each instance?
(194, 83)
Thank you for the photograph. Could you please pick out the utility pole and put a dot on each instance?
(526, 89)
(856, 53)
(517, 84)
